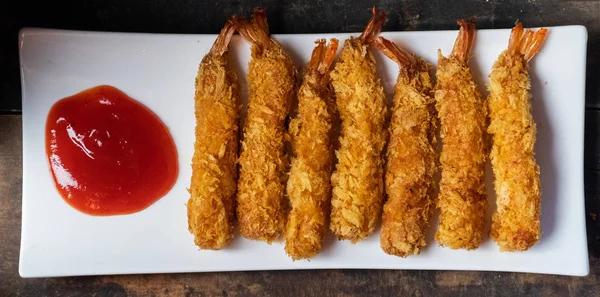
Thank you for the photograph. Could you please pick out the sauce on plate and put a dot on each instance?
(109, 154)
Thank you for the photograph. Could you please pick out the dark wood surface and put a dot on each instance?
(304, 16)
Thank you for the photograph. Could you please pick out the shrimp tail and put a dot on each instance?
(255, 32)
(259, 18)
(464, 41)
(392, 51)
(323, 55)
(374, 26)
(526, 42)
(221, 44)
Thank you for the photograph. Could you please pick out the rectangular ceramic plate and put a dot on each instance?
(159, 71)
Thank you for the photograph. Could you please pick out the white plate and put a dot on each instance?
(159, 71)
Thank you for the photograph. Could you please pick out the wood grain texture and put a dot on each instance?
(301, 16)
(592, 140)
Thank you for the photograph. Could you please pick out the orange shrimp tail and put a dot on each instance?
(259, 18)
(221, 44)
(323, 55)
(392, 51)
(464, 41)
(374, 26)
(526, 43)
(255, 32)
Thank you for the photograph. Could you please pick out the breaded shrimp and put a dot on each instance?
(309, 183)
(358, 179)
(461, 109)
(214, 172)
(516, 222)
(411, 156)
(261, 208)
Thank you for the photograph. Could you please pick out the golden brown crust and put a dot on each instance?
(516, 222)
(358, 179)
(411, 156)
(261, 209)
(214, 174)
(309, 186)
(462, 113)
(411, 164)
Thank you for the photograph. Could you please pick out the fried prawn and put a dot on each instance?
(214, 173)
(411, 156)
(261, 207)
(461, 109)
(516, 222)
(358, 178)
(309, 183)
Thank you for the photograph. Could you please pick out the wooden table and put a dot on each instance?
(305, 16)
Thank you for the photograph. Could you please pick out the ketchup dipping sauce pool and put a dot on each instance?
(109, 154)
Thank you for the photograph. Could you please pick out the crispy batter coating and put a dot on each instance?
(358, 178)
(309, 183)
(516, 222)
(214, 173)
(261, 208)
(462, 199)
(411, 155)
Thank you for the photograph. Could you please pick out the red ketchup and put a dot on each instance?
(109, 154)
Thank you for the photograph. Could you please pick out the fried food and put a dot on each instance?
(516, 222)
(411, 155)
(358, 178)
(309, 183)
(214, 173)
(261, 208)
(461, 109)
